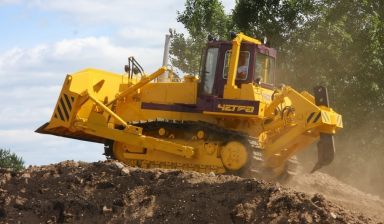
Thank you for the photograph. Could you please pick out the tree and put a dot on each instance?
(275, 19)
(200, 18)
(11, 160)
(254, 18)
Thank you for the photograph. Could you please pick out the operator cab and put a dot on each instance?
(255, 62)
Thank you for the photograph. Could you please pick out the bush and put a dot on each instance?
(11, 160)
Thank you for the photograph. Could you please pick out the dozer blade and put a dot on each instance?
(326, 151)
(64, 132)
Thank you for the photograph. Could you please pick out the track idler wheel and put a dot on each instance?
(119, 150)
(116, 150)
(236, 157)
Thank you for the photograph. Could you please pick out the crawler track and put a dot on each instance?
(255, 169)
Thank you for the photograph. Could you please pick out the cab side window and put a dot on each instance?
(210, 70)
(242, 65)
(264, 68)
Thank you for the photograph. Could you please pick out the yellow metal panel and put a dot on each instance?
(262, 107)
(279, 144)
(170, 93)
(248, 92)
(181, 93)
(154, 92)
(231, 92)
(130, 109)
(88, 78)
(308, 96)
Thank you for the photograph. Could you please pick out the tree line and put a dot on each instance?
(335, 43)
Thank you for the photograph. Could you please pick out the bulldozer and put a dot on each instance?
(231, 119)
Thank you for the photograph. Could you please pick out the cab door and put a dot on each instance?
(208, 76)
(244, 67)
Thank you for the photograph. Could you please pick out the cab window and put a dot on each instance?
(264, 68)
(242, 65)
(210, 70)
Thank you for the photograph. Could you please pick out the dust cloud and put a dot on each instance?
(359, 159)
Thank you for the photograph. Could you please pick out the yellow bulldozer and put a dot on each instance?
(229, 120)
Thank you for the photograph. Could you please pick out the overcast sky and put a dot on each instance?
(43, 40)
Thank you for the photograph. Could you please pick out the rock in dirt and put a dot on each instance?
(25, 175)
(124, 171)
(106, 210)
(20, 201)
(119, 165)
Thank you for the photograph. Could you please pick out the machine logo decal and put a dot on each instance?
(238, 108)
(64, 107)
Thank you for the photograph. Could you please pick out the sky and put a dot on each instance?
(41, 41)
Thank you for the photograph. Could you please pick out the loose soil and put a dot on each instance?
(110, 192)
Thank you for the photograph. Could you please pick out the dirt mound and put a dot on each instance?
(339, 193)
(110, 192)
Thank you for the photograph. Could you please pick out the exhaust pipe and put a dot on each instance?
(168, 37)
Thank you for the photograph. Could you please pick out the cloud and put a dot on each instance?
(115, 12)
(45, 65)
(32, 78)
(27, 107)
(127, 23)
(10, 2)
